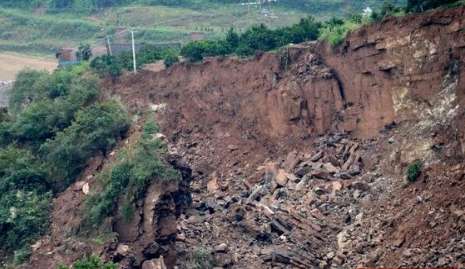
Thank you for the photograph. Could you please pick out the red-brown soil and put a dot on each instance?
(299, 157)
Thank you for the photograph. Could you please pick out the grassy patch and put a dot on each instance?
(414, 171)
(200, 258)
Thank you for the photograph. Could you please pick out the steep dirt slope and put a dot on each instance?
(299, 157)
(395, 87)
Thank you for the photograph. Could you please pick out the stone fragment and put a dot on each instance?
(317, 156)
(303, 183)
(232, 147)
(281, 178)
(122, 250)
(78, 185)
(212, 185)
(330, 168)
(291, 161)
(336, 186)
(223, 247)
(359, 185)
(154, 264)
(86, 188)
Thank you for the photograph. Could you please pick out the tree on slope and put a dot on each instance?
(422, 5)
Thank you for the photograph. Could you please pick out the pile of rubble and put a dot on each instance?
(290, 218)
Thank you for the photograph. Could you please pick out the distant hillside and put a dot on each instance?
(307, 5)
(41, 26)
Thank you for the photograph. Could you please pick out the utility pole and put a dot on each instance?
(133, 52)
(109, 46)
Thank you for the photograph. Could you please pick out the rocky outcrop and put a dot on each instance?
(151, 234)
(382, 74)
(145, 240)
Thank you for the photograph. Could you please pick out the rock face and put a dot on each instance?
(151, 233)
(378, 76)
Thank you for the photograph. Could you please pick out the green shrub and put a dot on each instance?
(23, 217)
(414, 171)
(135, 168)
(201, 258)
(24, 198)
(170, 58)
(21, 255)
(194, 51)
(256, 38)
(388, 9)
(107, 65)
(95, 129)
(45, 116)
(423, 5)
(335, 31)
(24, 89)
(84, 52)
(92, 262)
(20, 170)
(57, 126)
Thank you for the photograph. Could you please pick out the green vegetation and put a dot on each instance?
(201, 258)
(56, 124)
(129, 176)
(92, 262)
(60, 23)
(24, 200)
(58, 121)
(95, 129)
(171, 57)
(84, 52)
(422, 5)
(335, 30)
(387, 9)
(414, 171)
(113, 65)
(85, 21)
(257, 38)
(22, 31)
(254, 39)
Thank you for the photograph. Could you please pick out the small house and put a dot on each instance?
(66, 57)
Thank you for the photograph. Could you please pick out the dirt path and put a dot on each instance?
(11, 63)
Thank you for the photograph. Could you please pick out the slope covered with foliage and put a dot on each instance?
(56, 124)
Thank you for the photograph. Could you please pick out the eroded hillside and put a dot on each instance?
(298, 159)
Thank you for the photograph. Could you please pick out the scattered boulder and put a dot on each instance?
(281, 178)
(212, 185)
(291, 161)
(121, 252)
(223, 247)
(86, 188)
(154, 264)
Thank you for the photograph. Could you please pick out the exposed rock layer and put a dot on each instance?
(298, 157)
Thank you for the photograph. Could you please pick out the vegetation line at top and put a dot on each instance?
(261, 38)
